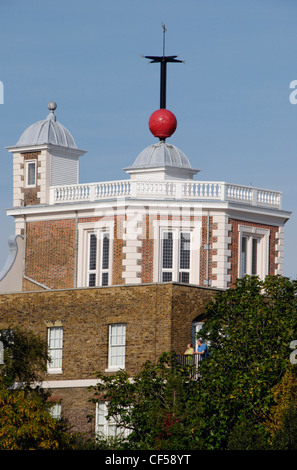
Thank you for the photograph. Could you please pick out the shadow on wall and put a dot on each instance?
(12, 272)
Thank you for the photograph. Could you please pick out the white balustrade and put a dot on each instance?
(166, 189)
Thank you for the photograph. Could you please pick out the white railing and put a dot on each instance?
(167, 189)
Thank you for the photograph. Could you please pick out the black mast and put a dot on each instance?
(163, 60)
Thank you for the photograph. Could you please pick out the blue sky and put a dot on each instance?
(231, 97)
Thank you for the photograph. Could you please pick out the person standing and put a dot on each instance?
(202, 350)
(189, 352)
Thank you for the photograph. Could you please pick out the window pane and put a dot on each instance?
(167, 250)
(104, 279)
(31, 176)
(92, 251)
(104, 426)
(56, 410)
(243, 256)
(184, 251)
(254, 255)
(184, 277)
(166, 277)
(105, 251)
(92, 280)
(55, 342)
(117, 342)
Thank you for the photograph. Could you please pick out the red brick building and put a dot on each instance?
(158, 225)
(127, 263)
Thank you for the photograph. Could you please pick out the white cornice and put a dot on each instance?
(122, 204)
(57, 149)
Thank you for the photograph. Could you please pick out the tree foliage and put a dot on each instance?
(25, 357)
(250, 328)
(26, 424)
(281, 423)
(25, 420)
(155, 406)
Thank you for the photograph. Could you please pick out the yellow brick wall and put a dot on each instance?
(158, 318)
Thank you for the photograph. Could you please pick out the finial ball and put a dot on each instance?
(52, 106)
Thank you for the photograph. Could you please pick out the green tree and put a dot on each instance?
(156, 406)
(25, 420)
(250, 328)
(282, 420)
(285, 438)
(26, 424)
(25, 357)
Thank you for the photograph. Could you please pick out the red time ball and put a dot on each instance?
(162, 123)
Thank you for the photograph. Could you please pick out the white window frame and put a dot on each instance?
(85, 230)
(99, 270)
(116, 347)
(262, 236)
(56, 411)
(182, 270)
(107, 427)
(55, 365)
(175, 270)
(171, 270)
(27, 165)
(194, 228)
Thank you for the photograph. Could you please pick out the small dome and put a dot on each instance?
(161, 154)
(48, 131)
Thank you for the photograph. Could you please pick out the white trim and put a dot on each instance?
(279, 248)
(51, 369)
(27, 164)
(84, 230)
(111, 346)
(263, 248)
(178, 226)
(132, 235)
(107, 425)
(50, 147)
(221, 246)
(118, 206)
(78, 383)
(55, 371)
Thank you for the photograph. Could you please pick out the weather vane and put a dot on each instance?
(163, 60)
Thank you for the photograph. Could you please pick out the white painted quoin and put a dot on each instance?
(173, 228)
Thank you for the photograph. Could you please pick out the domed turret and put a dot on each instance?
(45, 155)
(161, 161)
(161, 154)
(48, 131)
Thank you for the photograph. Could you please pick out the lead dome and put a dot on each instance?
(161, 154)
(162, 159)
(47, 131)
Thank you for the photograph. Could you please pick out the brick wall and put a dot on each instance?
(206, 273)
(147, 261)
(50, 250)
(30, 194)
(158, 318)
(118, 255)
